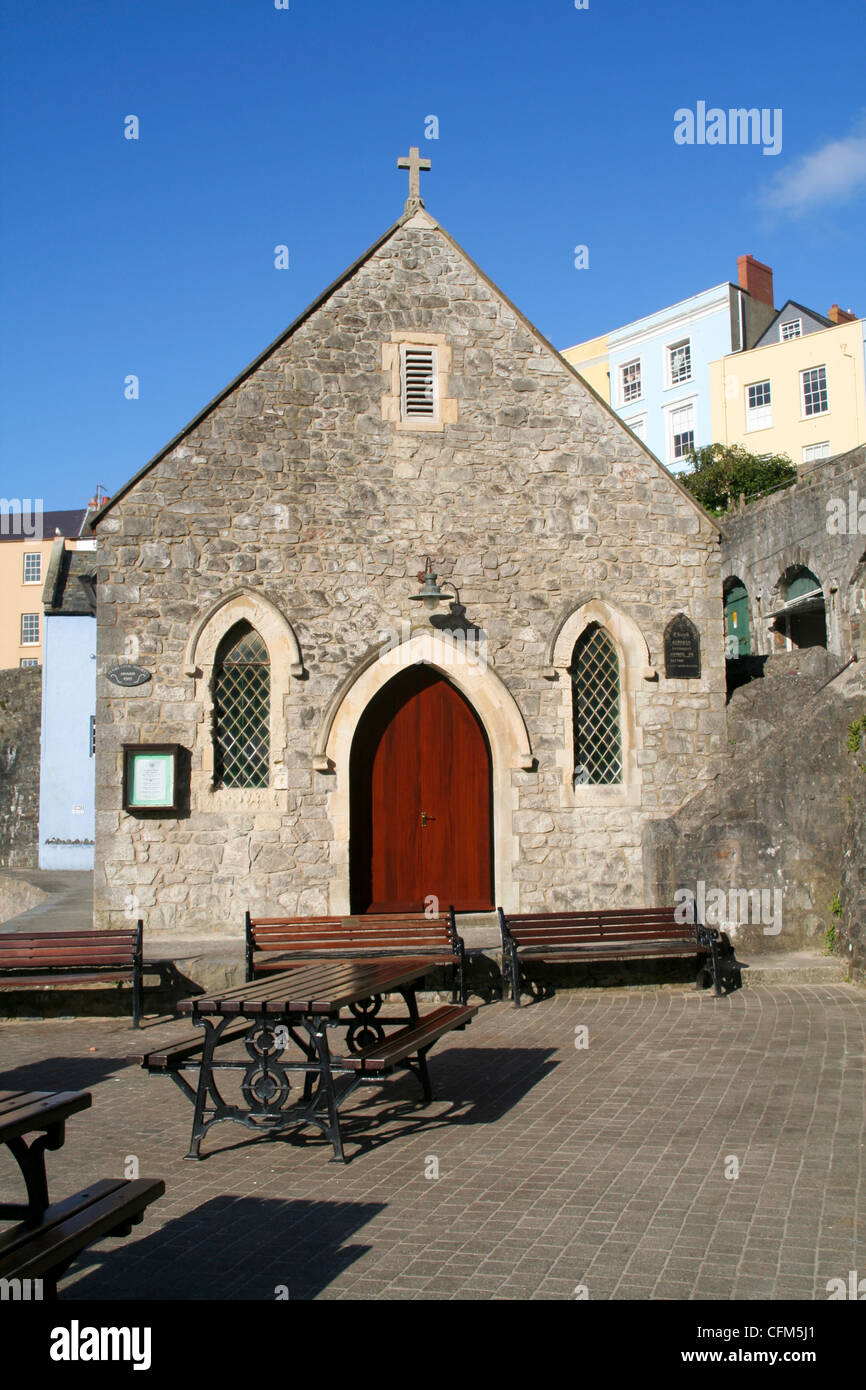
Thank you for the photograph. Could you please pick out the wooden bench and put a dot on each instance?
(44, 1248)
(407, 1044)
(29, 960)
(615, 934)
(278, 943)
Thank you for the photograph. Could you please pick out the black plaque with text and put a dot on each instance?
(682, 649)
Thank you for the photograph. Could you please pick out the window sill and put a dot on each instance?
(613, 796)
(226, 800)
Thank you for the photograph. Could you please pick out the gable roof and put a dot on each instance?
(408, 216)
(801, 308)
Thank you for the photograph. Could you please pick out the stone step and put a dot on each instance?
(795, 968)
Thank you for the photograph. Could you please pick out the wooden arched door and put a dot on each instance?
(421, 800)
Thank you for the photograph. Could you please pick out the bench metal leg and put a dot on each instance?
(423, 1074)
(515, 977)
(31, 1160)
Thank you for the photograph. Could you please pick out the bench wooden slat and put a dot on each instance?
(37, 1110)
(66, 950)
(168, 1054)
(293, 962)
(21, 1235)
(24, 981)
(103, 1209)
(64, 940)
(384, 1055)
(622, 952)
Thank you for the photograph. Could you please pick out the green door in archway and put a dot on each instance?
(738, 641)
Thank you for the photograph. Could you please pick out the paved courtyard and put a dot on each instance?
(559, 1165)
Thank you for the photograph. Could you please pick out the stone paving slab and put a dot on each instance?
(559, 1166)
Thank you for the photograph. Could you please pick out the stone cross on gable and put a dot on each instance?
(414, 164)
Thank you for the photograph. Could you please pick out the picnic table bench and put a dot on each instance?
(48, 1238)
(275, 943)
(29, 960)
(300, 1006)
(613, 934)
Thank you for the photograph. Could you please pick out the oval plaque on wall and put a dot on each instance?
(127, 675)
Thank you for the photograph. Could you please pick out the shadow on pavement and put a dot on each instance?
(478, 1085)
(61, 1074)
(230, 1248)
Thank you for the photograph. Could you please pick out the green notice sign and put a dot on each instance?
(152, 779)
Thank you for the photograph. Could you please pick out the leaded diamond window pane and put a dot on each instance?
(595, 693)
(242, 699)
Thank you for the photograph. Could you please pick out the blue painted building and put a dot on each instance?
(659, 364)
(67, 771)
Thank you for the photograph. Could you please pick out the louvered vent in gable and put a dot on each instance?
(419, 383)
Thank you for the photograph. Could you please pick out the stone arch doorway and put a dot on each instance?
(802, 622)
(421, 803)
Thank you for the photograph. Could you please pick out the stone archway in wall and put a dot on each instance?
(802, 620)
(497, 715)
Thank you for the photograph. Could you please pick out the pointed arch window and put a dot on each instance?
(595, 686)
(242, 706)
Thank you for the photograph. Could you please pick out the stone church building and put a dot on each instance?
(339, 745)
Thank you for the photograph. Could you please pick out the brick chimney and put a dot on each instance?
(756, 279)
(841, 315)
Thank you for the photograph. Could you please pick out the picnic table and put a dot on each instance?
(300, 1006)
(35, 1253)
(44, 1114)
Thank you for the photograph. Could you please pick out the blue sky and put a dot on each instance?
(261, 127)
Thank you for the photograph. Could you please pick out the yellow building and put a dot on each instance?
(25, 547)
(592, 360)
(804, 396)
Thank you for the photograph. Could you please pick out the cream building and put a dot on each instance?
(25, 547)
(592, 360)
(804, 396)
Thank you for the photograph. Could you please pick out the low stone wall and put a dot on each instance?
(851, 925)
(764, 846)
(16, 895)
(20, 717)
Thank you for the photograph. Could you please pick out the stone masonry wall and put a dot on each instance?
(779, 817)
(804, 525)
(296, 488)
(20, 715)
(852, 891)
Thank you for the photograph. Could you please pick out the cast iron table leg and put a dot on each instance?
(31, 1160)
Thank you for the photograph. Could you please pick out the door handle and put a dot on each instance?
(425, 818)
